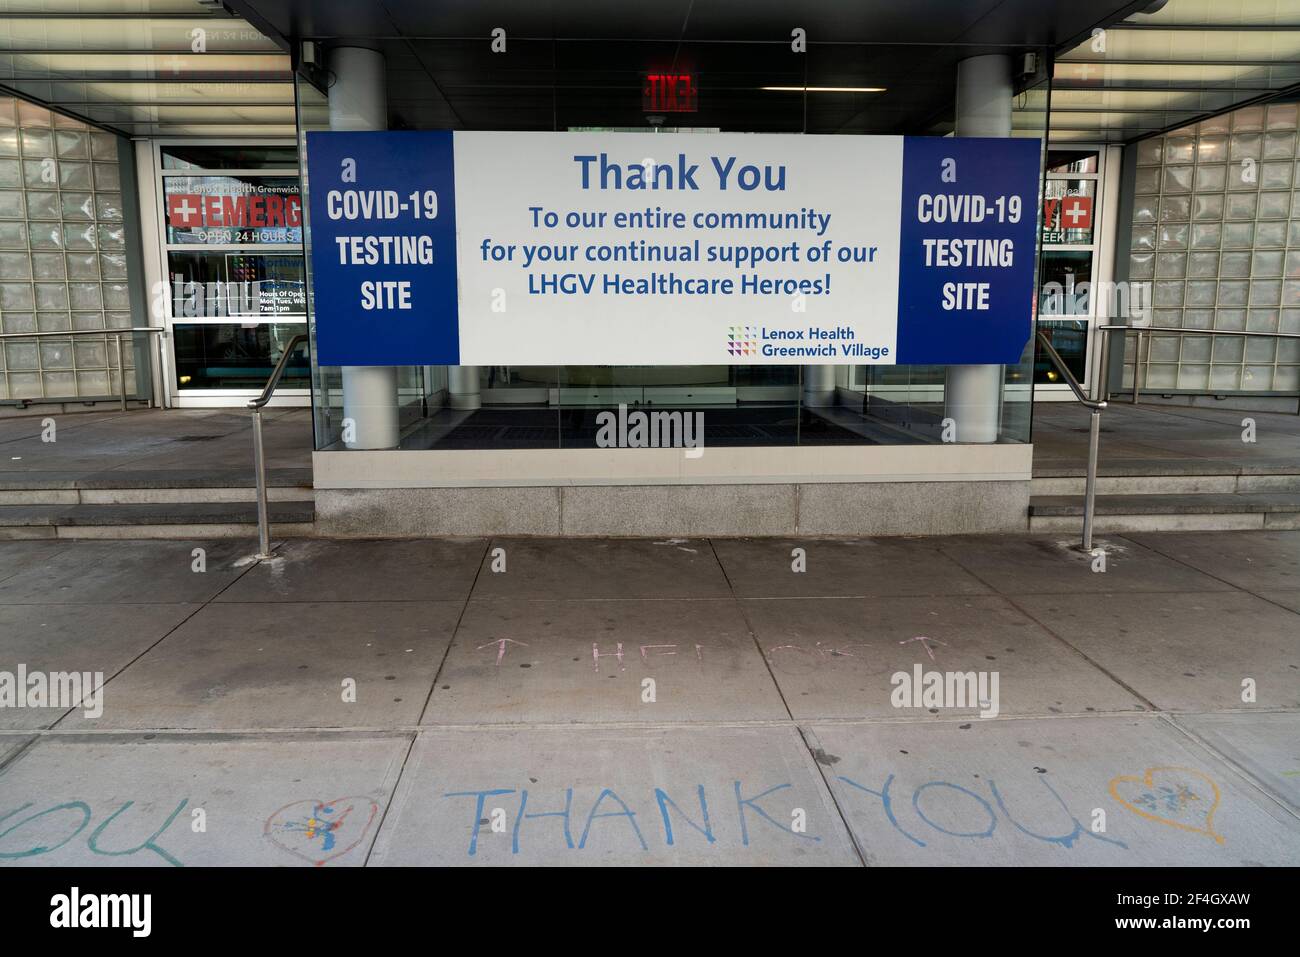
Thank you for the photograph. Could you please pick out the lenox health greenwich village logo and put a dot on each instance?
(744, 342)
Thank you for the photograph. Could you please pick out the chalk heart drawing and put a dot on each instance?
(320, 831)
(1177, 797)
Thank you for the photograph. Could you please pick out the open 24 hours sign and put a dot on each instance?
(486, 248)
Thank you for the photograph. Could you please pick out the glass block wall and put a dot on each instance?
(1216, 230)
(63, 262)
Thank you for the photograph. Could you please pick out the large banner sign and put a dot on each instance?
(670, 249)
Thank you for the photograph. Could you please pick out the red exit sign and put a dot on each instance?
(669, 93)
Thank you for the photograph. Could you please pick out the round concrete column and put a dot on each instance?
(358, 100)
(973, 394)
(818, 386)
(463, 387)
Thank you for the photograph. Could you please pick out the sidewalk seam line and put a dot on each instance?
(455, 629)
(171, 631)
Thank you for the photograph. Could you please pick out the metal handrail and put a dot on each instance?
(1203, 332)
(1145, 368)
(277, 372)
(259, 454)
(1097, 406)
(117, 335)
(1065, 372)
(79, 332)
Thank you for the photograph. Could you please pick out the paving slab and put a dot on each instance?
(1189, 652)
(1048, 564)
(559, 661)
(1027, 792)
(1224, 441)
(283, 665)
(1287, 599)
(1266, 746)
(1256, 560)
(1153, 441)
(836, 657)
(300, 800)
(321, 570)
(216, 515)
(161, 478)
(111, 439)
(15, 556)
(764, 568)
(602, 568)
(1063, 448)
(1283, 422)
(10, 744)
(633, 797)
(128, 571)
(92, 641)
(284, 448)
(153, 439)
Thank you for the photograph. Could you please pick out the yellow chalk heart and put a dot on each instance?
(1168, 798)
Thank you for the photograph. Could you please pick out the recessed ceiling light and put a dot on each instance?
(824, 89)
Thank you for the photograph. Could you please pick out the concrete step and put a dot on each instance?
(152, 520)
(155, 487)
(1173, 483)
(1170, 512)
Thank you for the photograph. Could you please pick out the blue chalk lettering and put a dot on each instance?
(916, 805)
(93, 842)
(1065, 840)
(478, 809)
(33, 851)
(665, 801)
(887, 803)
(564, 815)
(626, 812)
(752, 802)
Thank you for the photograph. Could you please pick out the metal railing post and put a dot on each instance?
(1097, 406)
(259, 454)
(121, 368)
(1090, 486)
(1137, 368)
(158, 378)
(259, 472)
(1101, 390)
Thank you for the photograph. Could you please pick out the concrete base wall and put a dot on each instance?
(842, 508)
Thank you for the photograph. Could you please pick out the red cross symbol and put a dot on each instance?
(1076, 212)
(184, 210)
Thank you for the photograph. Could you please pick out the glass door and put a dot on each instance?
(1068, 271)
(231, 224)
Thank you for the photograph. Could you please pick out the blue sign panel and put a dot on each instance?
(383, 233)
(966, 250)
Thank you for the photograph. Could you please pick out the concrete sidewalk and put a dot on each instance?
(665, 702)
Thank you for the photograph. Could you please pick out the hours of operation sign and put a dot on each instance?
(486, 248)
